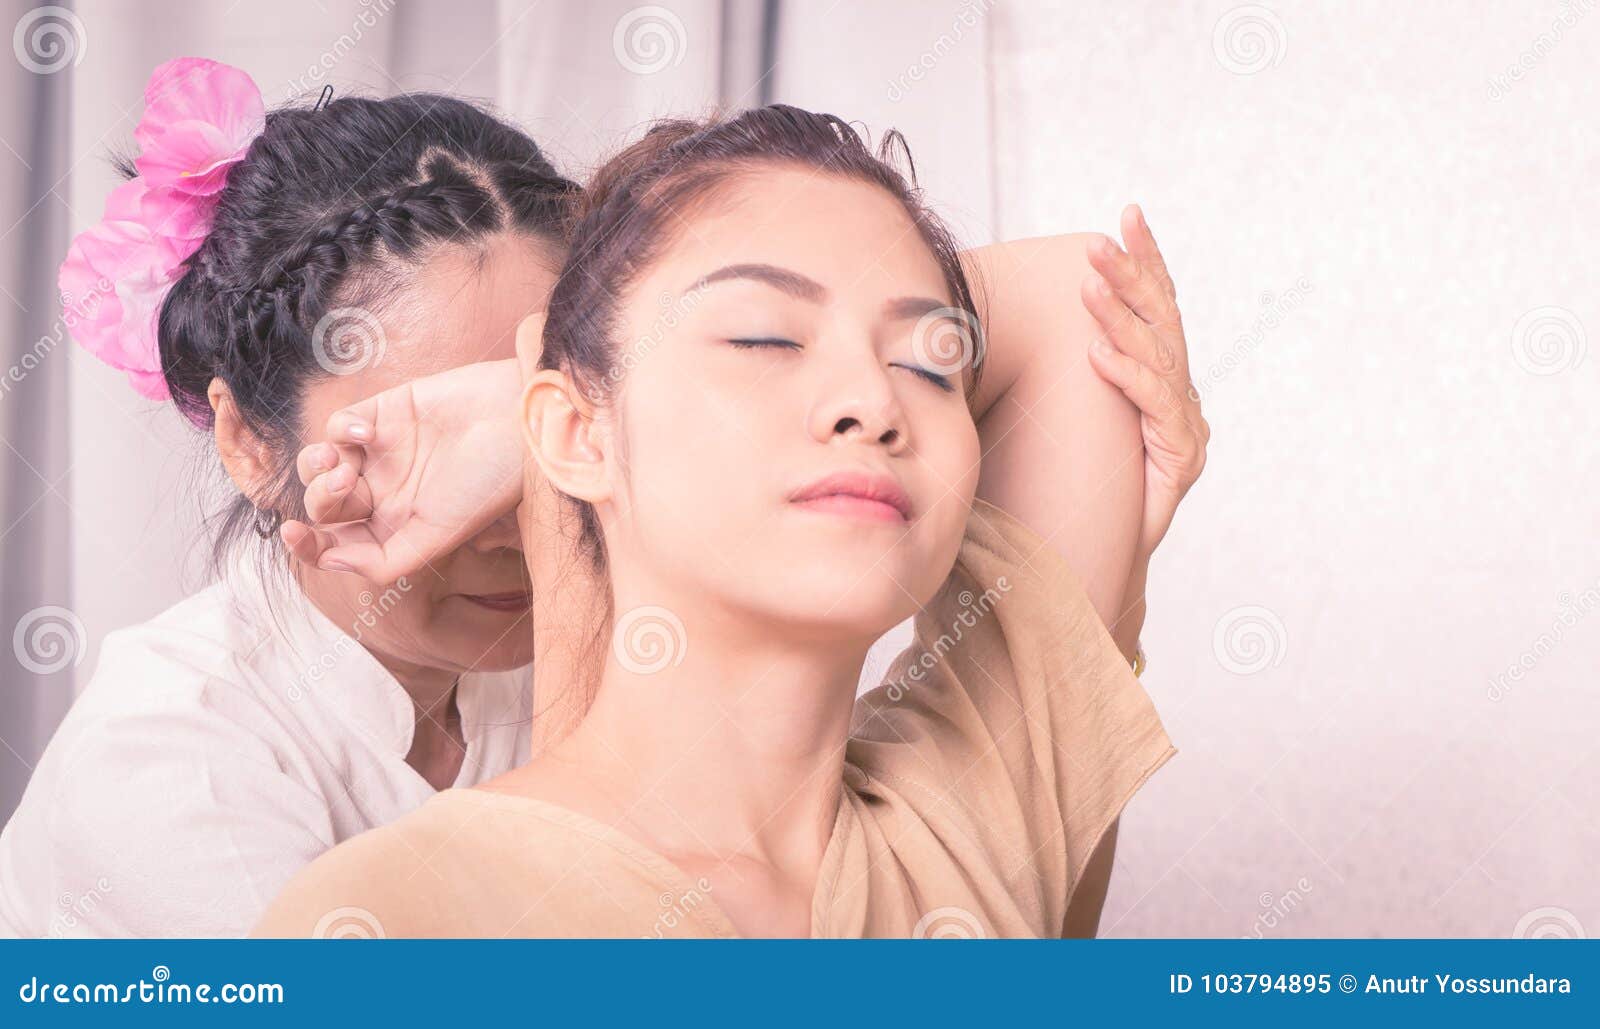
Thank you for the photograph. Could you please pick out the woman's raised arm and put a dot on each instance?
(1093, 451)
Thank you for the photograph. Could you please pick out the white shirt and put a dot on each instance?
(219, 748)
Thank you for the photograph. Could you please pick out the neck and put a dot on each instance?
(431, 689)
(736, 752)
(436, 741)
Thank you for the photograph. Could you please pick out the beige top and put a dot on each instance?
(978, 780)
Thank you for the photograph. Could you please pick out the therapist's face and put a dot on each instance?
(467, 610)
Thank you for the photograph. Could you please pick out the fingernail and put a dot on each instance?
(1102, 287)
(1100, 347)
(361, 431)
(334, 566)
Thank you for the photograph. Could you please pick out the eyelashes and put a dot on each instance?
(941, 382)
(752, 342)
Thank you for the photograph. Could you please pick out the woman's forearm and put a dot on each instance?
(1062, 449)
(1125, 630)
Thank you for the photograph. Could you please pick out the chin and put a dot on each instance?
(845, 607)
(902, 578)
(492, 641)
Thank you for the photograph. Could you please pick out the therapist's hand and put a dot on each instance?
(1142, 351)
(412, 473)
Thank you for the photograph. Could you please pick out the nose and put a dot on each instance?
(861, 406)
(500, 534)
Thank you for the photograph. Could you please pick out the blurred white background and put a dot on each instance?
(1374, 631)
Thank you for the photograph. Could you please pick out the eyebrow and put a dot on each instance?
(805, 288)
(792, 283)
(916, 307)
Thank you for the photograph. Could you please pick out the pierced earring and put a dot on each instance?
(267, 523)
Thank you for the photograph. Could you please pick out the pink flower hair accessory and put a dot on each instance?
(199, 119)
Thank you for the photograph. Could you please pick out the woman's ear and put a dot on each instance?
(563, 437)
(248, 461)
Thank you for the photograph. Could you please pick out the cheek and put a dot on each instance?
(969, 460)
(391, 611)
(691, 445)
(435, 631)
(384, 619)
(950, 453)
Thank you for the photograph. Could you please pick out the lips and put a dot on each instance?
(856, 494)
(516, 601)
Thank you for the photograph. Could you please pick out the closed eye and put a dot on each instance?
(751, 342)
(941, 381)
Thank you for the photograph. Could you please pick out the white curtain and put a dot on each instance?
(35, 496)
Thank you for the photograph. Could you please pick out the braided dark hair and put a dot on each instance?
(318, 217)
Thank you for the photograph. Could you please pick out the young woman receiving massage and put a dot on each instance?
(786, 467)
